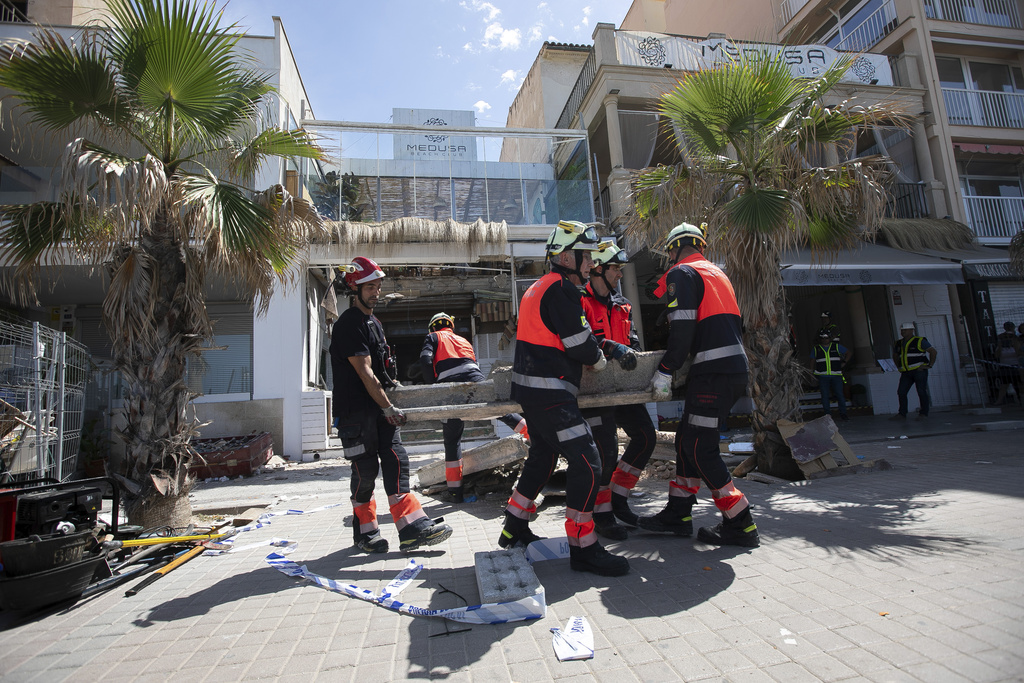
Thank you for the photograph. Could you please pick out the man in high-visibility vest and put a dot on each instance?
(914, 356)
(610, 317)
(829, 357)
(449, 357)
(553, 343)
(704, 321)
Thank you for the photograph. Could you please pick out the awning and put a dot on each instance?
(979, 263)
(977, 148)
(869, 264)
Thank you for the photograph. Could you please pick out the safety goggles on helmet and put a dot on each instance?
(361, 271)
(571, 235)
(608, 253)
(440, 321)
(686, 234)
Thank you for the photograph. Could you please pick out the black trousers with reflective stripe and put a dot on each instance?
(384, 453)
(452, 430)
(605, 439)
(708, 401)
(639, 427)
(584, 473)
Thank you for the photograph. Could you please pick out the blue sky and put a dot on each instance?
(359, 59)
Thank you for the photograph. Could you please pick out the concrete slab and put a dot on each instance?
(485, 457)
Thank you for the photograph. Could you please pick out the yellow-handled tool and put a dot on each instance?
(157, 540)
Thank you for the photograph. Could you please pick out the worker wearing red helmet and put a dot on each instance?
(610, 317)
(704, 321)
(553, 343)
(449, 357)
(368, 423)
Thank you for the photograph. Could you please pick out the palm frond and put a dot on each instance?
(272, 142)
(62, 84)
(912, 234)
(130, 302)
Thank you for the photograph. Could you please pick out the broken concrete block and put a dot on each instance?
(442, 394)
(612, 379)
(506, 576)
(485, 457)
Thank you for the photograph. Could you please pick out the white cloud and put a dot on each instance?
(534, 34)
(509, 76)
(477, 6)
(586, 16)
(468, 47)
(481, 107)
(542, 5)
(507, 39)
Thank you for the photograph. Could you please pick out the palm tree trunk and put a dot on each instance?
(775, 388)
(158, 429)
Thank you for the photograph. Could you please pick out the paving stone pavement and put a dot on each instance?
(912, 574)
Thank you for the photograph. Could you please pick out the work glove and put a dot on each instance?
(661, 386)
(620, 352)
(599, 365)
(394, 415)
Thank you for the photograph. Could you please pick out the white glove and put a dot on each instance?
(599, 365)
(394, 415)
(661, 386)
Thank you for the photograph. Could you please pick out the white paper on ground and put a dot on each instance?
(576, 641)
(742, 447)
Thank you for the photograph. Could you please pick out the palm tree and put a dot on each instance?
(168, 128)
(752, 139)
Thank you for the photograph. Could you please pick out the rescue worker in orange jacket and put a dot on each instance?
(553, 343)
(368, 423)
(449, 357)
(610, 317)
(704, 321)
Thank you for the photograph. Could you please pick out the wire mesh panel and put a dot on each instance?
(42, 387)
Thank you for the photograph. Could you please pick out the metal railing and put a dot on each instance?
(907, 200)
(43, 374)
(984, 108)
(867, 34)
(995, 219)
(988, 12)
(11, 14)
(583, 83)
(787, 10)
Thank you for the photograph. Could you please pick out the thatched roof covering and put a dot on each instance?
(467, 237)
(912, 234)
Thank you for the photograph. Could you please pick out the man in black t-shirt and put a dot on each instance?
(368, 423)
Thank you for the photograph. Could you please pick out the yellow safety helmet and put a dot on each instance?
(440, 321)
(571, 235)
(687, 234)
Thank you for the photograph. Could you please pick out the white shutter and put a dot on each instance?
(1007, 302)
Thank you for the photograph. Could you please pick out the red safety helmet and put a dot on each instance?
(361, 271)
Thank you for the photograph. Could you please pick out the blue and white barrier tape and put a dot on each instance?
(494, 613)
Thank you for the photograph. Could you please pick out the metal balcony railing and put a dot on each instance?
(787, 10)
(984, 108)
(586, 79)
(907, 200)
(867, 34)
(988, 12)
(995, 219)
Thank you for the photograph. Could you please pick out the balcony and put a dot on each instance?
(866, 35)
(1002, 13)
(995, 220)
(787, 10)
(907, 200)
(984, 108)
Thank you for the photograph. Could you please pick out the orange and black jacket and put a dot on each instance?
(448, 357)
(553, 343)
(704, 319)
(610, 317)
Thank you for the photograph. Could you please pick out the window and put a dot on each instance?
(226, 367)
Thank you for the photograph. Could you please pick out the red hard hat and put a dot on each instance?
(361, 271)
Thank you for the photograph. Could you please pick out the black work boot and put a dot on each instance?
(424, 531)
(516, 533)
(739, 530)
(368, 543)
(674, 519)
(596, 560)
(457, 494)
(606, 526)
(620, 508)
